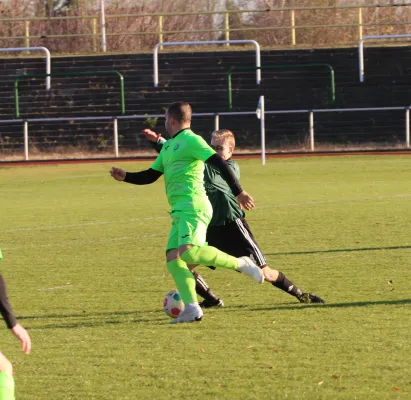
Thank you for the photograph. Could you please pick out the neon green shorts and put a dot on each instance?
(188, 227)
(6, 387)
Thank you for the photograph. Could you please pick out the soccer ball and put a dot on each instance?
(172, 304)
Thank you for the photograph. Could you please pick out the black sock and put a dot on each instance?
(284, 284)
(203, 290)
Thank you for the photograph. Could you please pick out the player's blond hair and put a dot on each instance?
(224, 134)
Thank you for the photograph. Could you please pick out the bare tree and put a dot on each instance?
(141, 30)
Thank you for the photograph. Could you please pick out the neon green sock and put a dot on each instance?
(6, 387)
(184, 280)
(209, 256)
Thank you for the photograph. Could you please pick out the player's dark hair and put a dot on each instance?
(180, 111)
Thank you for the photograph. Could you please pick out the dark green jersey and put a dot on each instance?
(222, 199)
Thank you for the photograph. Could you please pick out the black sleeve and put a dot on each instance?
(5, 306)
(143, 177)
(158, 145)
(226, 172)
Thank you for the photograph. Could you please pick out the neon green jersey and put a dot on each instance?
(181, 160)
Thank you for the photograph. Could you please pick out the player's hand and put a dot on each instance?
(245, 201)
(20, 333)
(118, 174)
(150, 135)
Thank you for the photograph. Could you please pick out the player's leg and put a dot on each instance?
(6, 379)
(178, 269)
(208, 255)
(215, 235)
(203, 290)
(183, 277)
(185, 283)
(246, 244)
(193, 249)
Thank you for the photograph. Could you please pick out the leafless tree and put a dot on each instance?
(140, 31)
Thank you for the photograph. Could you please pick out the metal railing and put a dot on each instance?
(377, 37)
(212, 42)
(48, 59)
(216, 116)
(288, 23)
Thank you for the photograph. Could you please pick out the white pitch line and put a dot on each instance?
(56, 287)
(152, 277)
(82, 242)
(50, 227)
(304, 203)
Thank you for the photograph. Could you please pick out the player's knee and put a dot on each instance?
(190, 256)
(191, 267)
(171, 254)
(270, 275)
(5, 365)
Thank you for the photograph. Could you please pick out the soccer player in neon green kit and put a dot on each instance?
(181, 161)
(228, 230)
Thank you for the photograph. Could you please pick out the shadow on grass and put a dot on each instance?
(336, 305)
(90, 324)
(99, 319)
(290, 253)
(106, 319)
(91, 315)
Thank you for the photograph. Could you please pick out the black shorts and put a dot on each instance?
(237, 240)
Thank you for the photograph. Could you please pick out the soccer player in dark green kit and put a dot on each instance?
(228, 229)
(181, 161)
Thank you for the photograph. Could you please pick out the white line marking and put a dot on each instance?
(56, 287)
(152, 277)
(78, 243)
(41, 228)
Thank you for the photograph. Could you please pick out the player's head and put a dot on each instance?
(223, 142)
(178, 116)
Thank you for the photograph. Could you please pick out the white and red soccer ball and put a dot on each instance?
(172, 304)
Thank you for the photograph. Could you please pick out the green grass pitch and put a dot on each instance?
(84, 264)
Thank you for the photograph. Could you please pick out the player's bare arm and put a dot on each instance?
(245, 201)
(20, 333)
(118, 174)
(11, 322)
(150, 135)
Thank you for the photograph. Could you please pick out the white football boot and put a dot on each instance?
(192, 313)
(248, 267)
